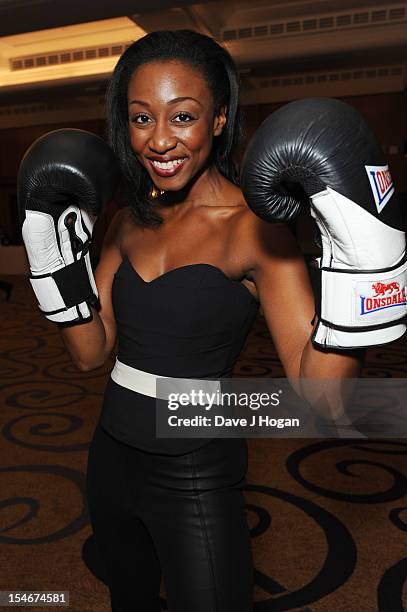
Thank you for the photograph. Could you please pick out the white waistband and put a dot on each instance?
(145, 382)
(134, 379)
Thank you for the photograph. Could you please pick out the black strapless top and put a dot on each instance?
(190, 322)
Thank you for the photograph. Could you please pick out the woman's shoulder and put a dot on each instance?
(123, 219)
(119, 227)
(233, 209)
(259, 236)
(248, 219)
(123, 223)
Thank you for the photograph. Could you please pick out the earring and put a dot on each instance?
(155, 193)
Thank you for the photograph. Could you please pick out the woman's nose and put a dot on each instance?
(162, 139)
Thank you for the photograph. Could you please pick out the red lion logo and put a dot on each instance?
(383, 288)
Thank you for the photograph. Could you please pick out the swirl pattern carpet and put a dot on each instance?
(328, 518)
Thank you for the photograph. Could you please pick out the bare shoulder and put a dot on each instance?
(121, 225)
(262, 242)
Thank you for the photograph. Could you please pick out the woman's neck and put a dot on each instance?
(205, 189)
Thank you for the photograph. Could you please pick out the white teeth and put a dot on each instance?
(168, 165)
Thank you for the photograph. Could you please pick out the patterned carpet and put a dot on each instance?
(328, 518)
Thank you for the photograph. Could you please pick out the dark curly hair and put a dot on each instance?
(217, 67)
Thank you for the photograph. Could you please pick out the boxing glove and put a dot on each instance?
(319, 152)
(64, 180)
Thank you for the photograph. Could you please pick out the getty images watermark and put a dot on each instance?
(209, 400)
(262, 407)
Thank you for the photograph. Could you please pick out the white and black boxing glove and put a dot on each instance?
(321, 152)
(64, 180)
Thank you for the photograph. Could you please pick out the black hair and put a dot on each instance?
(218, 68)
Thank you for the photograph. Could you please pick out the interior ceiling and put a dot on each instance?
(17, 16)
(207, 16)
(229, 13)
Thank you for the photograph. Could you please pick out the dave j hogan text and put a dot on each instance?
(218, 420)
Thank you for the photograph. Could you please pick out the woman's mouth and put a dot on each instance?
(167, 168)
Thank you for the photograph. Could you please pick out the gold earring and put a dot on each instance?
(155, 193)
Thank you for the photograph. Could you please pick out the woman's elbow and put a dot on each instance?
(87, 366)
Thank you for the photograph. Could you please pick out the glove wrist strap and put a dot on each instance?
(360, 308)
(363, 299)
(65, 295)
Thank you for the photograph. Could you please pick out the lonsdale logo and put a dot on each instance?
(386, 295)
(381, 184)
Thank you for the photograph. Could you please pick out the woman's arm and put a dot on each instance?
(282, 280)
(90, 344)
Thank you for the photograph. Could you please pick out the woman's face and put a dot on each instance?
(172, 122)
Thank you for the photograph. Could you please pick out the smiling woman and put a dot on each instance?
(169, 135)
(171, 283)
(181, 273)
(194, 95)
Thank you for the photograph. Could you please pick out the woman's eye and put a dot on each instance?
(183, 118)
(141, 119)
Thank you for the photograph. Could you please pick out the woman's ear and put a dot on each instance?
(219, 121)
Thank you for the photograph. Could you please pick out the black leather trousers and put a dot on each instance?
(181, 516)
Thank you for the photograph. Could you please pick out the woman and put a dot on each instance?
(180, 279)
